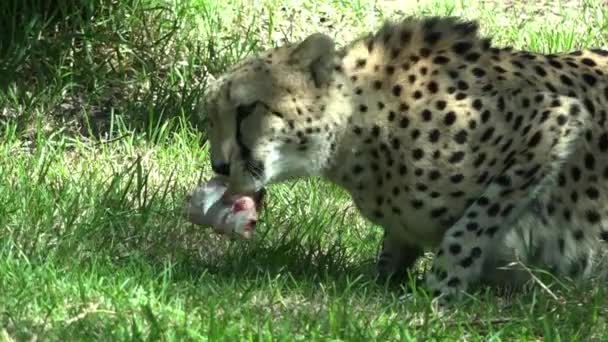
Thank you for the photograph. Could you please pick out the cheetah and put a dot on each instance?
(484, 155)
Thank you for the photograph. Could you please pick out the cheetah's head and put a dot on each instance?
(272, 118)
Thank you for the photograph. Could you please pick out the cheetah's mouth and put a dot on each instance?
(254, 168)
(247, 179)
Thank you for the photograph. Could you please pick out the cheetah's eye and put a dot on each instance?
(245, 110)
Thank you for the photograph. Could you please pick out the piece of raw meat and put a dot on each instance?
(231, 214)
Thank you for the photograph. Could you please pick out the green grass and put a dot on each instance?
(98, 149)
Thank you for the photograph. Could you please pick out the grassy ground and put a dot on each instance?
(97, 150)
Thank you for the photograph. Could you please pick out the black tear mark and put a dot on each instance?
(256, 168)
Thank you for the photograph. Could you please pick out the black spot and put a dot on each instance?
(539, 98)
(536, 138)
(418, 154)
(593, 216)
(360, 63)
(455, 249)
(426, 115)
(456, 157)
(574, 197)
(402, 169)
(566, 80)
(507, 210)
(555, 64)
(540, 71)
(438, 212)
(600, 52)
(441, 60)
(456, 178)
(567, 215)
(357, 169)
(405, 36)
(434, 175)
(417, 204)
(434, 135)
(461, 96)
(456, 194)
(590, 107)
(561, 245)
(477, 104)
(370, 45)
(603, 142)
(454, 282)
(462, 85)
(432, 37)
(493, 210)
(491, 231)
(589, 79)
(424, 52)
(440, 104)
(415, 134)
(462, 47)
(404, 122)
(472, 226)
(504, 181)
(483, 201)
(478, 72)
(480, 159)
(501, 103)
(561, 180)
(466, 262)
(395, 53)
(397, 90)
(375, 131)
(518, 64)
(472, 57)
(449, 118)
(363, 108)
(421, 187)
(499, 69)
(589, 161)
(588, 62)
(433, 87)
(487, 134)
(592, 193)
(467, 27)
(461, 137)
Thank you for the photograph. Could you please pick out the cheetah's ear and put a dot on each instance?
(316, 54)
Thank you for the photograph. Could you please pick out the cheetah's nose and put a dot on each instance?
(222, 169)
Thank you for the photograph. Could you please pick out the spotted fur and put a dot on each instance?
(485, 155)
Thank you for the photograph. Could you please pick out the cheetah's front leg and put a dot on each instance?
(395, 259)
(460, 257)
